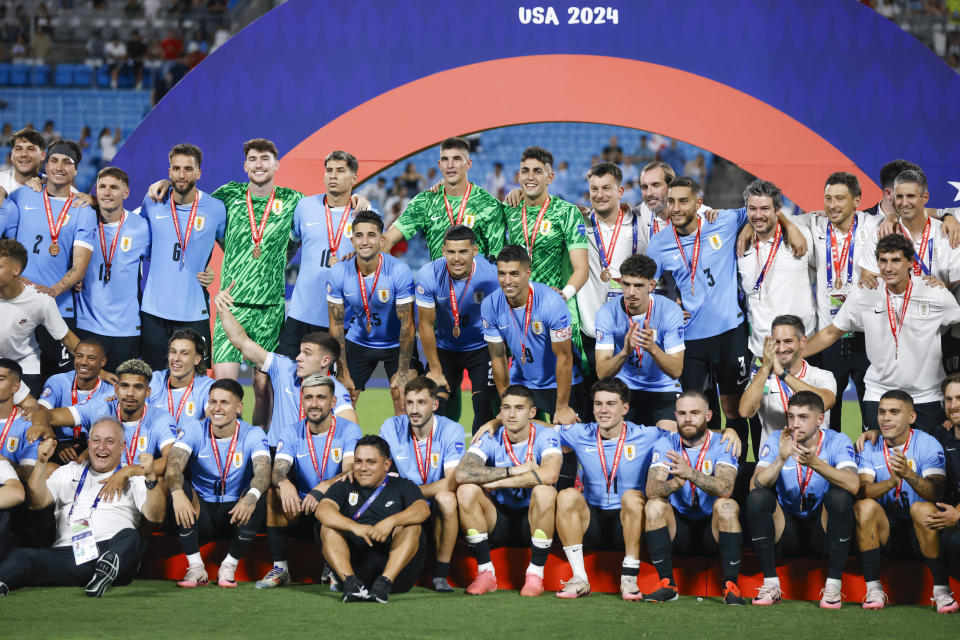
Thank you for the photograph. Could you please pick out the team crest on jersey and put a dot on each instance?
(47, 392)
(12, 444)
(715, 241)
(537, 327)
(630, 452)
(765, 450)
(655, 457)
(469, 219)
(237, 460)
(190, 408)
(329, 288)
(142, 443)
(707, 467)
(125, 243)
(421, 290)
(279, 446)
(277, 206)
(478, 297)
(383, 294)
(337, 454)
(198, 223)
(545, 226)
(924, 309)
(353, 498)
(434, 459)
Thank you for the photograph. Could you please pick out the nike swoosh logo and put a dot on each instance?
(657, 561)
(758, 539)
(733, 564)
(389, 502)
(954, 449)
(162, 217)
(310, 224)
(30, 208)
(402, 457)
(590, 449)
(204, 455)
(875, 311)
(302, 455)
(844, 539)
(287, 389)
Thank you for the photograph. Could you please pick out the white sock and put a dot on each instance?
(230, 561)
(474, 538)
(575, 558)
(194, 560)
(486, 566)
(535, 570)
(941, 589)
(773, 582)
(281, 564)
(834, 582)
(874, 585)
(630, 562)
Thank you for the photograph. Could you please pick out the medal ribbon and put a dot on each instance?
(700, 458)
(638, 350)
(322, 467)
(897, 326)
(886, 459)
(108, 258)
(7, 425)
(74, 393)
(918, 267)
(598, 236)
(183, 399)
(808, 474)
(696, 252)
(131, 451)
(509, 446)
(616, 456)
(256, 231)
(454, 307)
(463, 207)
(334, 240)
(770, 257)
(363, 287)
(369, 501)
(55, 226)
(529, 239)
(422, 467)
(786, 392)
(836, 261)
(76, 494)
(224, 471)
(527, 315)
(190, 220)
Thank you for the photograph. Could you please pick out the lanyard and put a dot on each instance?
(108, 258)
(300, 409)
(190, 220)
(886, 459)
(463, 206)
(918, 267)
(896, 324)
(74, 392)
(183, 400)
(256, 231)
(637, 349)
(222, 469)
(616, 456)
(334, 240)
(509, 446)
(423, 463)
(530, 238)
(835, 261)
(770, 258)
(786, 392)
(805, 482)
(55, 226)
(602, 250)
(527, 314)
(7, 425)
(322, 467)
(700, 458)
(131, 451)
(696, 252)
(655, 225)
(373, 496)
(454, 306)
(363, 290)
(76, 495)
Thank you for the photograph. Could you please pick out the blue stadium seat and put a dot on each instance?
(126, 79)
(63, 76)
(5, 73)
(19, 75)
(40, 75)
(82, 75)
(103, 76)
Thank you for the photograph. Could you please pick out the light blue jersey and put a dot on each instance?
(13, 441)
(204, 472)
(59, 392)
(292, 446)
(493, 451)
(172, 400)
(150, 434)
(683, 499)
(433, 292)
(924, 455)
(445, 448)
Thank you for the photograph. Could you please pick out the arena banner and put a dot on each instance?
(789, 90)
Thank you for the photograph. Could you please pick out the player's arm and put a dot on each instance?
(794, 237)
(235, 333)
(447, 483)
(766, 476)
(75, 274)
(752, 396)
(182, 507)
(873, 489)
(581, 271)
(243, 510)
(337, 313)
(845, 478)
(328, 513)
(498, 364)
(609, 361)
(796, 384)
(408, 337)
(659, 482)
(670, 363)
(929, 488)
(391, 236)
(548, 472)
(12, 494)
(38, 494)
(822, 339)
(564, 374)
(70, 341)
(473, 470)
(720, 484)
(428, 340)
(116, 483)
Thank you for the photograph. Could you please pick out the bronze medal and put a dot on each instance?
(332, 260)
(369, 327)
(605, 275)
(256, 251)
(456, 331)
(54, 249)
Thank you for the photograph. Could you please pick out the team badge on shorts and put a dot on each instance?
(545, 226)
(337, 454)
(630, 452)
(924, 309)
(478, 297)
(383, 294)
(469, 219)
(707, 467)
(716, 242)
(125, 243)
(434, 460)
(353, 498)
(198, 223)
(237, 460)
(12, 444)
(142, 443)
(537, 327)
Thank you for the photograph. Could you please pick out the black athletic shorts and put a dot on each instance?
(362, 362)
(476, 362)
(724, 357)
(512, 528)
(292, 333)
(694, 536)
(155, 333)
(803, 536)
(650, 407)
(605, 531)
(369, 562)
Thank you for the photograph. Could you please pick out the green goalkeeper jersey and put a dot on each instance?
(561, 230)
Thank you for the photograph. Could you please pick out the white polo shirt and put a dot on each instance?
(7, 472)
(916, 366)
(946, 260)
(773, 415)
(595, 292)
(109, 518)
(18, 319)
(786, 288)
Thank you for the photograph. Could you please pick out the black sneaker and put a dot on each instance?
(104, 573)
(440, 585)
(354, 591)
(380, 590)
(732, 595)
(666, 593)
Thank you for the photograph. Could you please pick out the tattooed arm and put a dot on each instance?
(183, 510)
(338, 332)
(472, 470)
(407, 339)
(243, 510)
(498, 362)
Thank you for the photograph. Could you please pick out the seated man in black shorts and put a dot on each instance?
(371, 527)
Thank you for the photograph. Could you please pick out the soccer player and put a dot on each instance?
(781, 373)
(532, 321)
(183, 387)
(26, 154)
(774, 281)
(372, 532)
(802, 488)
(688, 509)
(640, 341)
(904, 311)
(323, 225)
(614, 456)
(450, 325)
(183, 230)
(901, 480)
(318, 353)
(78, 386)
(61, 240)
(839, 238)
(426, 448)
(375, 290)
(947, 517)
(23, 309)
(314, 452)
(12, 495)
(13, 428)
(655, 179)
(229, 463)
(108, 307)
(457, 201)
(506, 494)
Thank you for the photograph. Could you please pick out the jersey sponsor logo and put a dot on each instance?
(552, 443)
(545, 226)
(421, 290)
(198, 223)
(337, 454)
(142, 443)
(125, 243)
(630, 452)
(277, 206)
(564, 334)
(707, 467)
(537, 327)
(716, 242)
(469, 219)
(383, 295)
(924, 309)
(353, 498)
(434, 459)
(458, 447)
(237, 460)
(765, 450)
(12, 444)
(47, 392)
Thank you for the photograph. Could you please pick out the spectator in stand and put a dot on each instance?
(197, 44)
(133, 9)
(631, 194)
(152, 8)
(495, 180)
(644, 153)
(136, 51)
(562, 186)
(630, 171)
(19, 48)
(696, 168)
(172, 47)
(412, 180)
(673, 155)
(49, 133)
(95, 45)
(613, 152)
(888, 9)
(42, 18)
(84, 139)
(220, 36)
(108, 144)
(116, 53)
(376, 193)
(41, 44)
(5, 135)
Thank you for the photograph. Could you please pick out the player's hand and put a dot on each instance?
(351, 388)
(78, 287)
(795, 240)
(870, 436)
(744, 238)
(820, 213)
(950, 228)
(934, 281)
(890, 224)
(34, 183)
(309, 505)
(363, 532)
(45, 450)
(645, 338)
(487, 428)
(677, 466)
(436, 187)
(631, 340)
(437, 376)
(183, 511)
(205, 277)
(803, 455)
(382, 530)
(290, 499)
(224, 299)
(565, 415)
(68, 454)
(83, 200)
(47, 291)
(241, 512)
(398, 382)
(787, 440)
(946, 518)
(359, 203)
(868, 279)
(106, 376)
(158, 190)
(41, 431)
(770, 363)
(710, 215)
(513, 198)
(732, 439)
(115, 485)
(899, 465)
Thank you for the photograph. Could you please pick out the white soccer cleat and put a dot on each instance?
(830, 597)
(196, 577)
(945, 602)
(875, 599)
(768, 594)
(574, 588)
(226, 577)
(276, 577)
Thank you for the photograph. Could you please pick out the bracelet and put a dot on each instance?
(569, 291)
(316, 494)
(537, 476)
(254, 492)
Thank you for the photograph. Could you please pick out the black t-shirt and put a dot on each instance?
(951, 458)
(399, 494)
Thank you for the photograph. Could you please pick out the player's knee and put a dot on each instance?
(467, 494)
(727, 510)
(655, 510)
(633, 501)
(446, 503)
(569, 499)
(543, 496)
(921, 509)
(837, 500)
(865, 510)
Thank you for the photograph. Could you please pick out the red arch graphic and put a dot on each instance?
(570, 88)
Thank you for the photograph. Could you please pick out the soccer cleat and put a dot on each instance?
(104, 573)
(767, 595)
(830, 597)
(226, 576)
(875, 599)
(945, 603)
(354, 591)
(196, 577)
(732, 595)
(574, 588)
(380, 591)
(629, 590)
(276, 577)
(667, 592)
(485, 582)
(532, 586)
(440, 585)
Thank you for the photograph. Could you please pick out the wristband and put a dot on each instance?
(783, 376)
(569, 291)
(254, 491)
(316, 494)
